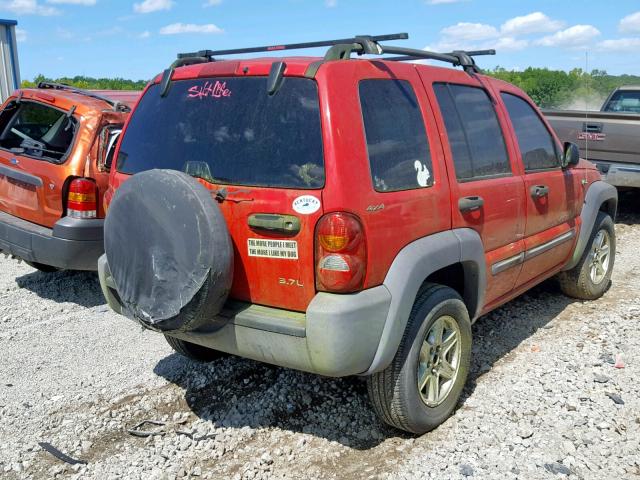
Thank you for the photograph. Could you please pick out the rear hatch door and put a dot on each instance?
(35, 140)
(261, 157)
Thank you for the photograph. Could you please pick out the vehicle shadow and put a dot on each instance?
(81, 288)
(235, 392)
(502, 330)
(629, 207)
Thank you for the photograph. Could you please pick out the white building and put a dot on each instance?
(9, 68)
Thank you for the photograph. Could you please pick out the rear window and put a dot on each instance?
(229, 131)
(396, 139)
(36, 130)
(624, 101)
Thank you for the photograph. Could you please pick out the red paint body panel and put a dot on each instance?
(407, 215)
(501, 220)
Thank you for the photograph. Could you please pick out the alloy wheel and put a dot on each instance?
(599, 257)
(439, 361)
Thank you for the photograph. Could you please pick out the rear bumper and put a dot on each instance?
(73, 244)
(337, 336)
(620, 174)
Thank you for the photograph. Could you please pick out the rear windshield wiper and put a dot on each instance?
(23, 151)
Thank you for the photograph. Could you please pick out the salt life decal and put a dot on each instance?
(284, 249)
(210, 89)
(306, 204)
(423, 173)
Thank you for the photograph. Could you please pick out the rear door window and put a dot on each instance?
(475, 137)
(537, 147)
(397, 144)
(229, 131)
(36, 130)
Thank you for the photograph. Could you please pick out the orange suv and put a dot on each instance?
(56, 147)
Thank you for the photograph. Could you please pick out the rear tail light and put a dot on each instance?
(82, 198)
(341, 253)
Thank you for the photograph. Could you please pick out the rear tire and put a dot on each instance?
(591, 277)
(42, 267)
(410, 394)
(193, 350)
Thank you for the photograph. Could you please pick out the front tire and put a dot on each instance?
(591, 277)
(193, 350)
(421, 387)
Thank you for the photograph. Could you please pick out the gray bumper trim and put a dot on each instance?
(621, 174)
(35, 243)
(337, 336)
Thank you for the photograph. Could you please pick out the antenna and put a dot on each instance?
(586, 105)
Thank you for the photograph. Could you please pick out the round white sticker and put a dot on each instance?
(306, 204)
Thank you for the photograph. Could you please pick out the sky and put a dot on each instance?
(137, 39)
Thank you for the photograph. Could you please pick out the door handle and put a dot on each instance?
(283, 224)
(592, 127)
(469, 204)
(539, 191)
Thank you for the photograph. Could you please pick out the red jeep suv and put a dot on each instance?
(346, 216)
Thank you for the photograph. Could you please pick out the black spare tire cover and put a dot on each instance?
(169, 251)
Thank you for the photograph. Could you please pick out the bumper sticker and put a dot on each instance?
(284, 249)
(306, 204)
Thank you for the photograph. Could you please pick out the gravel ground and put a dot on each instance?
(546, 398)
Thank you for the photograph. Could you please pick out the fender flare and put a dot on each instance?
(599, 193)
(413, 264)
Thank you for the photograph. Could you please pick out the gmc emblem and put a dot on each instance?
(598, 137)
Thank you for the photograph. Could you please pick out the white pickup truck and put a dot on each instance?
(609, 138)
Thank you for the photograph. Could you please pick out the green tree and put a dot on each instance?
(559, 89)
(89, 83)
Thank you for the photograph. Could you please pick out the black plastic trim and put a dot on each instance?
(507, 263)
(21, 176)
(79, 228)
(35, 243)
(540, 249)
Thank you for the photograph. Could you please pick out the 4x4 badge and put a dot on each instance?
(306, 204)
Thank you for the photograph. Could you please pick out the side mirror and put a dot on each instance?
(571, 155)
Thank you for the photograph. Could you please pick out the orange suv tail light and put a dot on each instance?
(341, 253)
(82, 198)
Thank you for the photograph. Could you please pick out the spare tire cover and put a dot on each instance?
(164, 238)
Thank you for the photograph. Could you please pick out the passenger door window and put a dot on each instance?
(399, 155)
(475, 137)
(537, 147)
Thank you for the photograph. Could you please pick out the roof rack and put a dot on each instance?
(117, 106)
(343, 47)
(340, 49)
(458, 58)
(369, 40)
